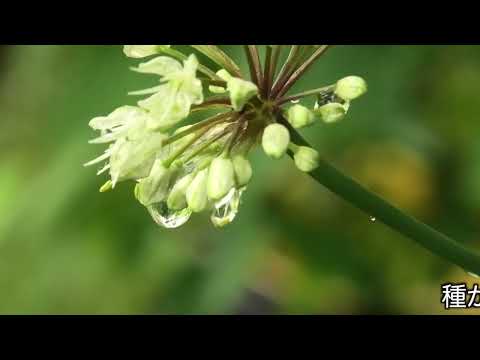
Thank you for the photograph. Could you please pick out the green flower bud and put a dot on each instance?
(350, 88)
(331, 112)
(197, 198)
(221, 178)
(275, 140)
(154, 188)
(107, 186)
(224, 75)
(240, 92)
(300, 116)
(306, 159)
(177, 198)
(243, 170)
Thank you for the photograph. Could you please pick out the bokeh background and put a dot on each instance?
(294, 247)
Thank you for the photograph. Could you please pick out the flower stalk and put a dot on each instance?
(382, 211)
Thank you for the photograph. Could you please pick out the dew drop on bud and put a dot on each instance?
(168, 218)
(226, 209)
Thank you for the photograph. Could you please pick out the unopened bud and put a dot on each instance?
(331, 112)
(300, 116)
(177, 199)
(154, 188)
(275, 140)
(197, 198)
(221, 178)
(241, 91)
(243, 170)
(350, 88)
(224, 75)
(106, 187)
(306, 159)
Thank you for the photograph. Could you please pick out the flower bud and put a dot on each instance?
(275, 140)
(141, 51)
(197, 198)
(224, 75)
(221, 178)
(306, 159)
(331, 112)
(240, 92)
(243, 170)
(106, 187)
(177, 198)
(350, 88)
(154, 188)
(300, 116)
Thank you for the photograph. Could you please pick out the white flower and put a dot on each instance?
(134, 147)
(126, 121)
(141, 51)
(134, 159)
(172, 100)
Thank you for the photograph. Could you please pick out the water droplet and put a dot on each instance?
(226, 209)
(373, 219)
(473, 275)
(295, 101)
(168, 218)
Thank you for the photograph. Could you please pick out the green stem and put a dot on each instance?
(384, 212)
(298, 96)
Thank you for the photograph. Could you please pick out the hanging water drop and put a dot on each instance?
(226, 209)
(373, 219)
(168, 218)
(295, 101)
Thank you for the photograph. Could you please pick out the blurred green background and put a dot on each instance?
(294, 247)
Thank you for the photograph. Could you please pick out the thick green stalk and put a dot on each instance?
(382, 211)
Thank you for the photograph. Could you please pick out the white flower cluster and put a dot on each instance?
(174, 178)
(181, 170)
